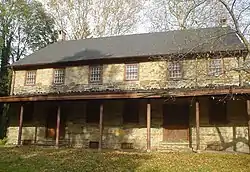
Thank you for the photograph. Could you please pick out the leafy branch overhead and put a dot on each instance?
(24, 27)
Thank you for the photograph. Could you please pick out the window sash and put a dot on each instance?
(59, 76)
(131, 72)
(95, 74)
(30, 78)
(215, 67)
(175, 71)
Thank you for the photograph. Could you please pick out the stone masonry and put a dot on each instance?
(152, 75)
(231, 137)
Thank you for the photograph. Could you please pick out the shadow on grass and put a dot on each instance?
(40, 159)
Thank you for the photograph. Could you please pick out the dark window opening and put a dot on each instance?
(28, 110)
(218, 112)
(93, 145)
(93, 112)
(131, 112)
(27, 142)
(127, 145)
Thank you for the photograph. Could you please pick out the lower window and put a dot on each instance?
(217, 112)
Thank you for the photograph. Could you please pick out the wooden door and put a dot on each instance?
(176, 122)
(51, 124)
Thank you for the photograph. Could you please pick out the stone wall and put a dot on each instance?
(231, 136)
(32, 130)
(152, 75)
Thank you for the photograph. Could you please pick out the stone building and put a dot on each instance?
(157, 91)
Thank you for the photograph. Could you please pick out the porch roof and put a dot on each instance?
(127, 95)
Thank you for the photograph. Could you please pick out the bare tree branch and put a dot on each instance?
(236, 24)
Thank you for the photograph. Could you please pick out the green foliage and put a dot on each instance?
(40, 159)
(3, 141)
(27, 27)
(24, 27)
(43, 26)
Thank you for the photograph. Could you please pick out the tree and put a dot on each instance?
(24, 27)
(95, 18)
(239, 12)
(171, 15)
(165, 15)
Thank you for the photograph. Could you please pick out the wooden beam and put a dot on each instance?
(197, 115)
(100, 127)
(148, 126)
(93, 96)
(58, 125)
(19, 139)
(248, 114)
(109, 95)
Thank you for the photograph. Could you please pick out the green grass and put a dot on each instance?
(47, 159)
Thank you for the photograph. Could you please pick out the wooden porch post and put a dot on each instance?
(248, 114)
(19, 139)
(100, 127)
(148, 126)
(58, 125)
(197, 126)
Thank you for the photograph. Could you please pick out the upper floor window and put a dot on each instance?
(30, 77)
(59, 76)
(215, 67)
(131, 72)
(95, 73)
(174, 68)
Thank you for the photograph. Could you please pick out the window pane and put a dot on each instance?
(59, 75)
(95, 73)
(131, 71)
(30, 78)
(215, 67)
(175, 69)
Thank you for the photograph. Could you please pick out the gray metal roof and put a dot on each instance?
(148, 44)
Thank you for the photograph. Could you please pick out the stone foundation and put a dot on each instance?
(223, 138)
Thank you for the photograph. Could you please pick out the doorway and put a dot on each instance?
(51, 122)
(175, 122)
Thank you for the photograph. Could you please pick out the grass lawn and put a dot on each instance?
(48, 159)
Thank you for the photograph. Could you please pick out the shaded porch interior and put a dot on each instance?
(126, 122)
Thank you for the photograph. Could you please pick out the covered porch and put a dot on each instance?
(144, 123)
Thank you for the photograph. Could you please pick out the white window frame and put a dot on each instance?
(59, 76)
(175, 69)
(132, 72)
(215, 67)
(30, 78)
(95, 74)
